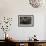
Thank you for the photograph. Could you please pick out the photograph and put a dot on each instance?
(25, 20)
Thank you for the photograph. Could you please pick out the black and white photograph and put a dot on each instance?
(22, 22)
(25, 20)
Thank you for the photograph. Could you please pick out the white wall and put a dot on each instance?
(13, 8)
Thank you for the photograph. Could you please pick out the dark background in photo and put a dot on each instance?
(25, 20)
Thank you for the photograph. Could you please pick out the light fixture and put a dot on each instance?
(35, 3)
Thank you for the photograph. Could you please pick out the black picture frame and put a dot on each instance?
(25, 20)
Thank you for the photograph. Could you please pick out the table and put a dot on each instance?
(27, 42)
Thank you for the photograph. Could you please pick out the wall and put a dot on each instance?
(13, 8)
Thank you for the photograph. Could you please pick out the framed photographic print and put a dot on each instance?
(25, 20)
